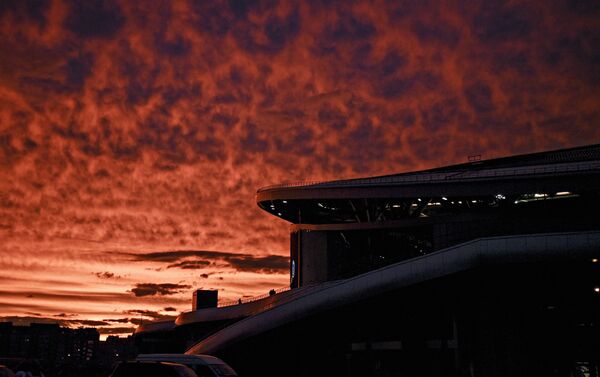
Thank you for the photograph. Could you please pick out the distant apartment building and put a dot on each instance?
(49, 344)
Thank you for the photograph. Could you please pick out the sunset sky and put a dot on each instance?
(134, 134)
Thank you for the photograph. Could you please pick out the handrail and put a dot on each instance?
(226, 303)
(446, 176)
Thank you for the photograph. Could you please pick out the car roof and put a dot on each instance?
(180, 357)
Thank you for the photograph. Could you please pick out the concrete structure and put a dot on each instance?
(489, 268)
(204, 299)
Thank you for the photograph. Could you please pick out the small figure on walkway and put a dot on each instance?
(272, 292)
(239, 301)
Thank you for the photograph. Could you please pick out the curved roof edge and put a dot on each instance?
(463, 257)
(579, 160)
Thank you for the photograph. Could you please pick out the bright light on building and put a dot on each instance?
(595, 260)
(561, 193)
(500, 197)
(597, 289)
(444, 198)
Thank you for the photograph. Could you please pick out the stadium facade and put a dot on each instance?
(489, 268)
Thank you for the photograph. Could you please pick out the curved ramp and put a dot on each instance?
(463, 257)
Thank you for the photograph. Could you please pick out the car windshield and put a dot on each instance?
(223, 370)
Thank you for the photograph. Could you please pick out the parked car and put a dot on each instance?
(203, 365)
(151, 369)
(26, 368)
(5, 372)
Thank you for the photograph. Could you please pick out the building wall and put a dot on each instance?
(500, 321)
(313, 260)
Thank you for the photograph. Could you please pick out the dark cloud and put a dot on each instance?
(89, 323)
(350, 28)
(141, 316)
(213, 18)
(156, 316)
(391, 63)
(107, 275)
(241, 8)
(94, 18)
(178, 46)
(151, 289)
(439, 32)
(27, 320)
(69, 296)
(65, 315)
(23, 10)
(254, 140)
(399, 87)
(118, 320)
(442, 114)
(498, 22)
(190, 264)
(583, 6)
(369, 138)
(479, 96)
(271, 36)
(269, 264)
(77, 69)
(197, 259)
(115, 330)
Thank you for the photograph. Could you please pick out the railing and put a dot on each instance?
(446, 176)
(225, 303)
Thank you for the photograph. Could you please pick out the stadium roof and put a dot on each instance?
(574, 169)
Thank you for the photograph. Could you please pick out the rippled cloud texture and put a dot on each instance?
(133, 135)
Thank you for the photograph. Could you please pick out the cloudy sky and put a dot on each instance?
(133, 135)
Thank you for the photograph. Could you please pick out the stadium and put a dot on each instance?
(488, 268)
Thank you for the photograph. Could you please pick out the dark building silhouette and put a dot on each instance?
(49, 345)
(115, 349)
(489, 268)
(204, 299)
